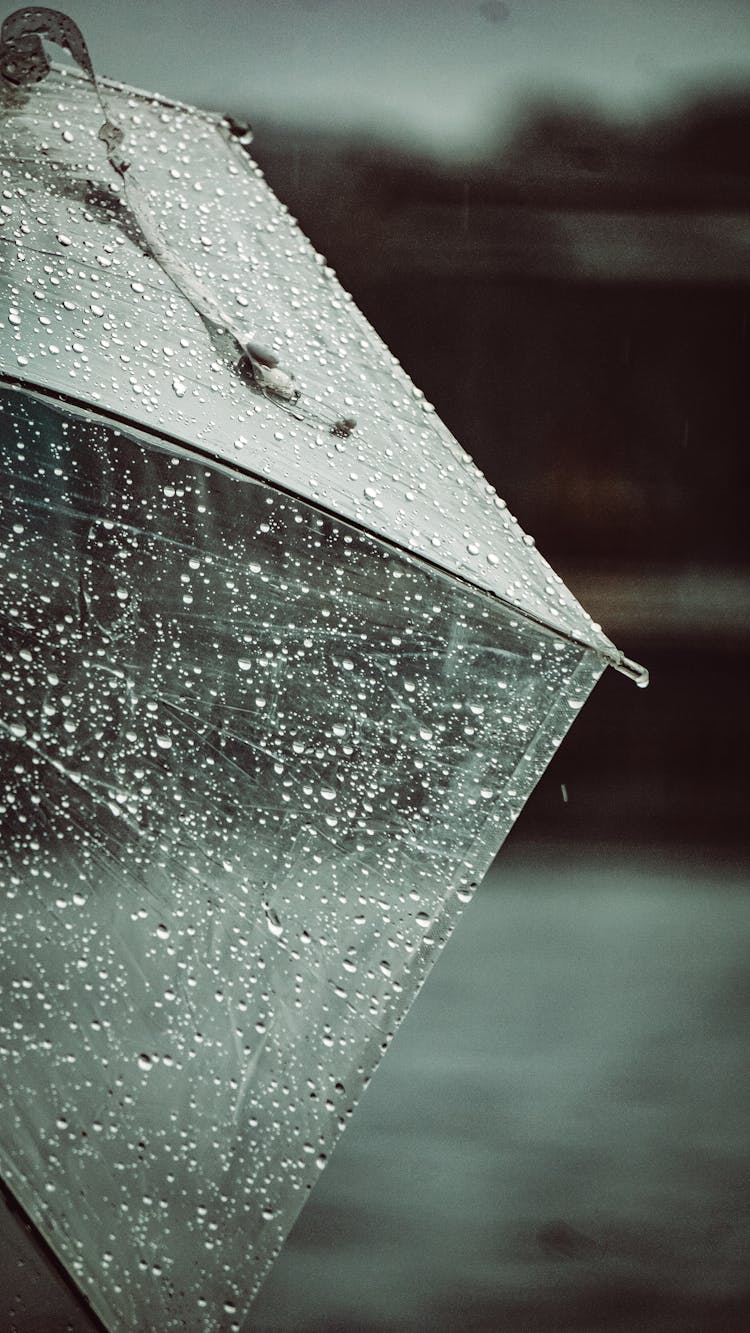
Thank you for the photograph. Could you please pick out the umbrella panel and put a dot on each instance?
(254, 762)
(94, 315)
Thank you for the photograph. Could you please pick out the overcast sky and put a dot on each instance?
(438, 73)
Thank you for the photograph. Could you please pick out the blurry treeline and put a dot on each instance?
(576, 305)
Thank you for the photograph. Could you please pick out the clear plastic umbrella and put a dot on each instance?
(279, 672)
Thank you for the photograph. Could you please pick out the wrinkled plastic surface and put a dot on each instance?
(93, 315)
(253, 762)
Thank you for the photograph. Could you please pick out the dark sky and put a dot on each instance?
(440, 73)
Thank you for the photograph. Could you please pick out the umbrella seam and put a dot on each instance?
(162, 439)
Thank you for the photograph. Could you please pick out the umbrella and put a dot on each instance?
(280, 671)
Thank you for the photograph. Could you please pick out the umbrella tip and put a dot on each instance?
(633, 670)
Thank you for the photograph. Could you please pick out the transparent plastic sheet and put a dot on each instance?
(254, 762)
(94, 315)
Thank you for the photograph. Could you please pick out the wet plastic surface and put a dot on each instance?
(94, 315)
(254, 761)
(558, 1136)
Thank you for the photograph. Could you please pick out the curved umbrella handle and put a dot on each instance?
(22, 55)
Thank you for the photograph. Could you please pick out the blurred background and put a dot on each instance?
(543, 206)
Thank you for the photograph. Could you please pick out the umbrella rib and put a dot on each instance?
(613, 657)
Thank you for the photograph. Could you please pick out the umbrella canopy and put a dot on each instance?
(280, 671)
